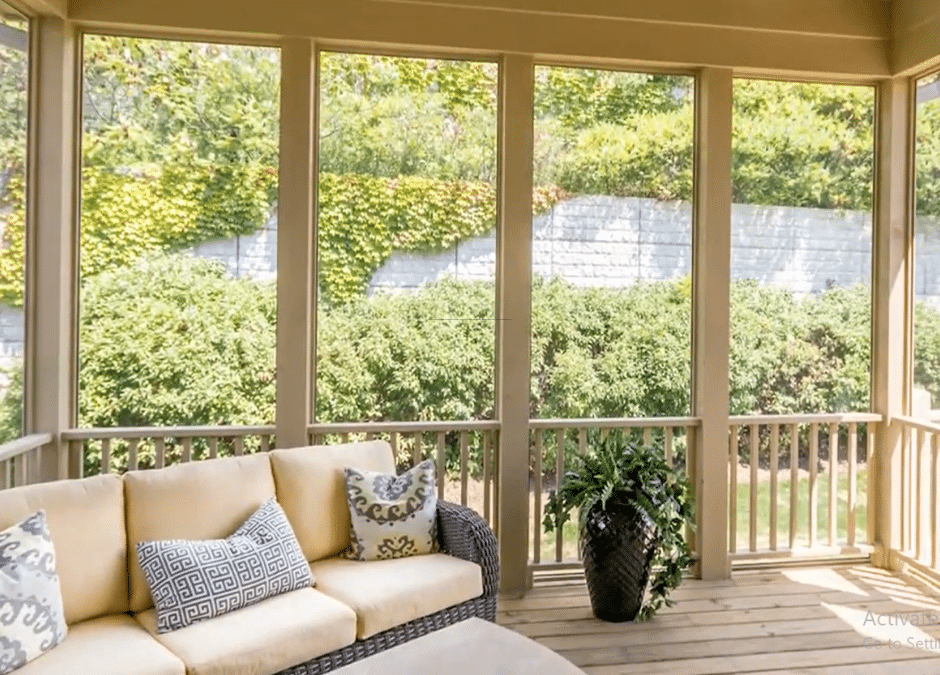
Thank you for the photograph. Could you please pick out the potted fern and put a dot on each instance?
(633, 513)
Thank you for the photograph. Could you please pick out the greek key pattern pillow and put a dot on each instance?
(193, 581)
(392, 516)
(31, 617)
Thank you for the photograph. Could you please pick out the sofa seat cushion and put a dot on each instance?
(386, 593)
(109, 645)
(312, 489)
(199, 500)
(262, 639)
(86, 523)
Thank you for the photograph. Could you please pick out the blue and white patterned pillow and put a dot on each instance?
(193, 581)
(31, 617)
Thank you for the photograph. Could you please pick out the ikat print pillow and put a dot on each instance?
(31, 617)
(193, 581)
(391, 516)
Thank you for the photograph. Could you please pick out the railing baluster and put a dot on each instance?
(774, 467)
(752, 493)
(559, 472)
(537, 500)
(923, 499)
(393, 441)
(417, 451)
(667, 447)
(690, 471)
(105, 455)
(21, 471)
(813, 481)
(851, 494)
(833, 482)
(733, 489)
(132, 454)
(934, 521)
(76, 459)
(464, 468)
(441, 455)
(265, 442)
(238, 445)
(582, 441)
(159, 452)
(496, 461)
(213, 447)
(486, 476)
(871, 462)
(794, 480)
(186, 454)
(5, 474)
(345, 437)
(647, 435)
(907, 470)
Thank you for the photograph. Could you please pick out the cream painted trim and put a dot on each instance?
(892, 295)
(57, 8)
(23, 445)
(296, 241)
(821, 17)
(711, 274)
(52, 240)
(513, 306)
(486, 30)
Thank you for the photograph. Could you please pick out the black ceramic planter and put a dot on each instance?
(617, 545)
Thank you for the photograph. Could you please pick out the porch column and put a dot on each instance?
(892, 304)
(711, 265)
(513, 325)
(296, 242)
(52, 242)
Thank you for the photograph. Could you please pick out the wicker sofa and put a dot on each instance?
(355, 609)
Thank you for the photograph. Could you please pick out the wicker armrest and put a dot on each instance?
(464, 534)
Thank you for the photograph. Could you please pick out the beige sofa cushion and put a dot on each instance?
(385, 593)
(312, 490)
(275, 634)
(86, 522)
(201, 500)
(109, 645)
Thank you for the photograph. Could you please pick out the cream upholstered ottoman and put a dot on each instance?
(471, 647)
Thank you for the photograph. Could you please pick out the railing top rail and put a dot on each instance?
(23, 445)
(401, 427)
(810, 418)
(100, 433)
(922, 424)
(614, 422)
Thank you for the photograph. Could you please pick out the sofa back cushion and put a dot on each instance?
(312, 489)
(86, 522)
(199, 500)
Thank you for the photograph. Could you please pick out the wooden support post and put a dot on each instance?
(513, 325)
(711, 265)
(891, 302)
(296, 243)
(52, 242)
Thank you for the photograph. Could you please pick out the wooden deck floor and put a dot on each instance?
(812, 620)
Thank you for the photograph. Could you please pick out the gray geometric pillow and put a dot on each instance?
(192, 581)
(391, 516)
(31, 618)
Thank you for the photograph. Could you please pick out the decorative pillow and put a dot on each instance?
(31, 617)
(192, 581)
(391, 516)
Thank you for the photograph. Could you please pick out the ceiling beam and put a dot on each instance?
(495, 31)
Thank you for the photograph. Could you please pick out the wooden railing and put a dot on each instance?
(779, 465)
(19, 460)
(95, 451)
(920, 482)
(465, 454)
(675, 435)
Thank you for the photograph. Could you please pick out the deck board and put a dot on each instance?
(813, 621)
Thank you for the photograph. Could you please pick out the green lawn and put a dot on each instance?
(570, 531)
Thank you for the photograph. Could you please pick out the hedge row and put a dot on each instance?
(175, 341)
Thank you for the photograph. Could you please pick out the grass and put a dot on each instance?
(570, 530)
